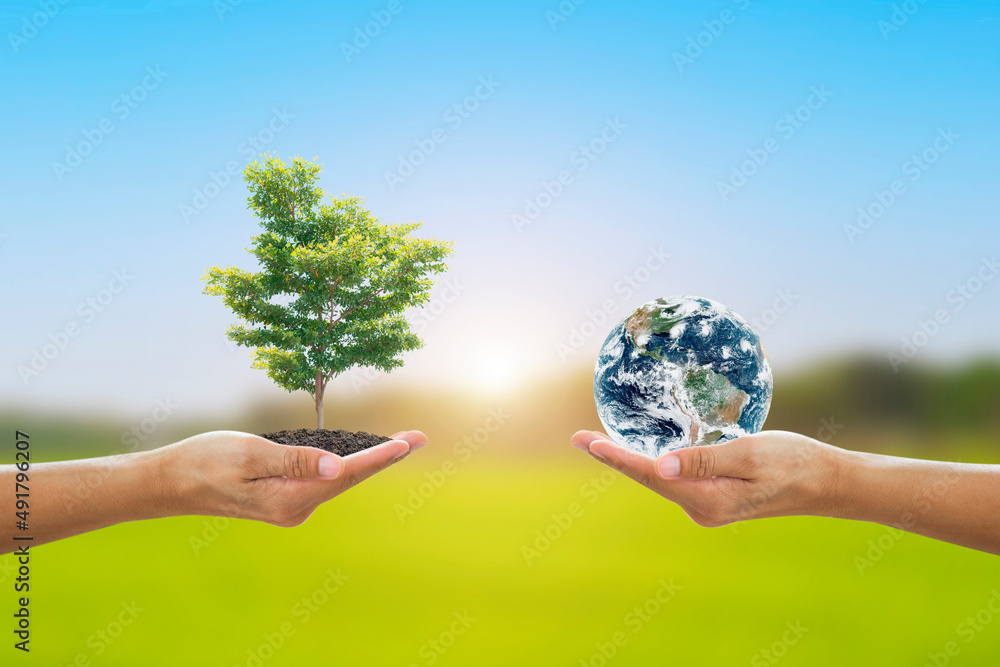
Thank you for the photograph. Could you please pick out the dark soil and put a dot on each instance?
(339, 442)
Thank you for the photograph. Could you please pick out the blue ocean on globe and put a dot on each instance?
(681, 371)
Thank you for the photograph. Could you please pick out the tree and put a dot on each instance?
(334, 281)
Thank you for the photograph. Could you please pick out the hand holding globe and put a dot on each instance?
(683, 386)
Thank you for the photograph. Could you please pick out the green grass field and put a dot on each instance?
(630, 577)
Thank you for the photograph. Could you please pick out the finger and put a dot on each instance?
(582, 439)
(360, 466)
(304, 495)
(729, 459)
(625, 461)
(274, 460)
(416, 439)
(642, 469)
(357, 468)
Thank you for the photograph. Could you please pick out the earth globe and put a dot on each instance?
(678, 372)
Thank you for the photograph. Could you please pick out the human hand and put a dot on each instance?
(227, 473)
(772, 473)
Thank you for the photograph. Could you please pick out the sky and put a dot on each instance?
(826, 169)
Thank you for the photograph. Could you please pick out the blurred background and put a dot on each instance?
(824, 169)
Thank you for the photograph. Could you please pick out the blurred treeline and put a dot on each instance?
(859, 403)
(930, 403)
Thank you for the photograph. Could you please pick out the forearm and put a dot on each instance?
(72, 497)
(954, 502)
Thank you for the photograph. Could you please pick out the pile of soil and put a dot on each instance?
(339, 442)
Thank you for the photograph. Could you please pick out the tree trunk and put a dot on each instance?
(319, 399)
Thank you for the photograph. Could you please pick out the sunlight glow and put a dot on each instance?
(498, 373)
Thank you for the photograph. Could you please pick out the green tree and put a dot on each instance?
(333, 281)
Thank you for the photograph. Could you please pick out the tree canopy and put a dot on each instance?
(333, 283)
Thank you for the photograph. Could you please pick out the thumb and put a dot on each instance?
(301, 463)
(730, 459)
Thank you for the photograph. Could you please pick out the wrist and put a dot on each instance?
(187, 479)
(162, 483)
(845, 482)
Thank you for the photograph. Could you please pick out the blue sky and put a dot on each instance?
(228, 75)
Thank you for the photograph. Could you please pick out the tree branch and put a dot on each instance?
(334, 322)
(333, 286)
(331, 309)
(366, 300)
